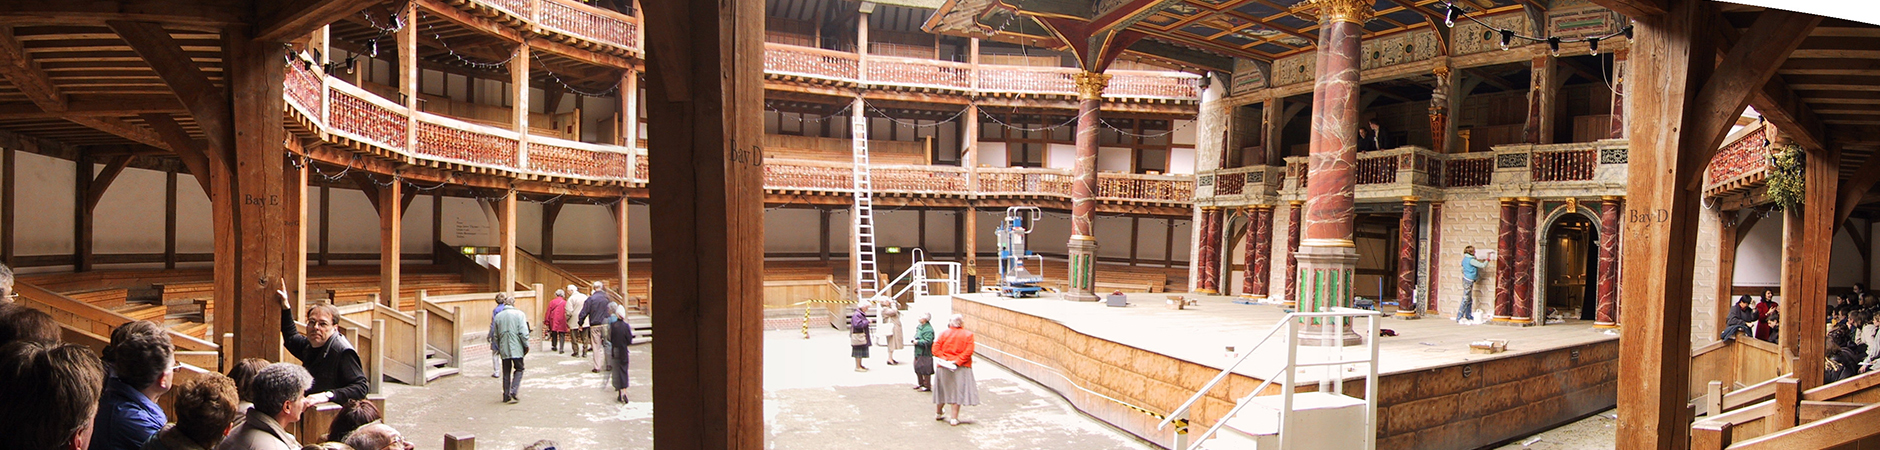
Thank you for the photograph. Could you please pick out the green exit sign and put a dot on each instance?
(894, 249)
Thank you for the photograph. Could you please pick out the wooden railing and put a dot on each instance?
(1024, 182)
(451, 140)
(1230, 183)
(896, 71)
(568, 21)
(81, 316)
(1153, 188)
(1743, 159)
(1563, 165)
(1787, 417)
(791, 174)
(580, 159)
(1467, 172)
(1377, 169)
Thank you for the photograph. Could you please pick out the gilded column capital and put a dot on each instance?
(1440, 71)
(1354, 11)
(1090, 85)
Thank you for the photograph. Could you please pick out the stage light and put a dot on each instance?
(1449, 16)
(1553, 46)
(1506, 37)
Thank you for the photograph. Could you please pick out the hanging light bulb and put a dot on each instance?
(1553, 46)
(1449, 16)
(1506, 37)
(1592, 45)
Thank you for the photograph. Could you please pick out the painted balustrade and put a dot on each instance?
(1152, 188)
(1469, 171)
(569, 21)
(925, 73)
(919, 179)
(1230, 183)
(1376, 168)
(810, 62)
(356, 114)
(1746, 156)
(455, 141)
(580, 159)
(1564, 165)
(306, 90)
(1152, 85)
(1027, 80)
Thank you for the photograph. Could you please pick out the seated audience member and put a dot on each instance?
(23, 323)
(243, 371)
(377, 436)
(280, 395)
(327, 446)
(1843, 361)
(1765, 309)
(205, 412)
(48, 395)
(1740, 318)
(337, 375)
(356, 415)
(141, 358)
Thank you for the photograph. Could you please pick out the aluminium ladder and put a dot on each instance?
(867, 276)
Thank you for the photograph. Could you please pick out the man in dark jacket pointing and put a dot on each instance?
(337, 375)
(596, 313)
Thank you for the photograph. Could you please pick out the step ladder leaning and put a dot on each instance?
(867, 275)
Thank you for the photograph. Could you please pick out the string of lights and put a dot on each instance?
(495, 66)
(1508, 36)
(611, 90)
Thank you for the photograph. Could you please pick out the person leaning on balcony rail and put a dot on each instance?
(1740, 318)
(48, 395)
(328, 356)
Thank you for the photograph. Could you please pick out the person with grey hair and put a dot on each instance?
(377, 436)
(6, 285)
(923, 353)
(510, 336)
(555, 319)
(596, 313)
(954, 385)
(577, 335)
(280, 395)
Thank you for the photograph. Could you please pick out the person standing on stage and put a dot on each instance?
(1471, 271)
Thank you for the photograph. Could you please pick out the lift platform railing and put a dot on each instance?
(1329, 382)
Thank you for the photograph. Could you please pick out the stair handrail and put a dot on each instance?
(919, 266)
(1183, 440)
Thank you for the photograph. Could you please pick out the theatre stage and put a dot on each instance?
(1433, 393)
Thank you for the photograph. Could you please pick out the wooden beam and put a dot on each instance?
(1851, 192)
(189, 151)
(116, 106)
(704, 79)
(95, 192)
(1674, 52)
(1492, 79)
(368, 187)
(291, 19)
(1779, 105)
(169, 219)
(1636, 9)
(550, 212)
(27, 77)
(391, 245)
(1745, 69)
(1807, 234)
(206, 102)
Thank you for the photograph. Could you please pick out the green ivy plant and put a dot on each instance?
(1786, 186)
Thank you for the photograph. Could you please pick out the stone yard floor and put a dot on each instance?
(813, 400)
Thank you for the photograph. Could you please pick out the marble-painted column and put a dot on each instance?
(1437, 269)
(1523, 262)
(1259, 249)
(1619, 59)
(1439, 109)
(1083, 243)
(1606, 313)
(1292, 252)
(1208, 253)
(1407, 259)
(1504, 256)
(1327, 255)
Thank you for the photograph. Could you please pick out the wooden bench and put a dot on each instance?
(102, 298)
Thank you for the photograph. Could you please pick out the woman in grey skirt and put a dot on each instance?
(953, 371)
(858, 335)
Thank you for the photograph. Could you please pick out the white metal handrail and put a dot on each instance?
(919, 272)
(1289, 371)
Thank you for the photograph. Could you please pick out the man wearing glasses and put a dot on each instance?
(377, 436)
(327, 355)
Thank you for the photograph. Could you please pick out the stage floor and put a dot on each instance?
(1201, 333)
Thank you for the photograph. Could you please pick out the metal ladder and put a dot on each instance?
(867, 274)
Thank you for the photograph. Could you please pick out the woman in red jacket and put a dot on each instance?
(953, 371)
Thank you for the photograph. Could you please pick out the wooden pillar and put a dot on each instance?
(1660, 232)
(1619, 60)
(437, 226)
(822, 215)
(1606, 310)
(550, 212)
(81, 214)
(1168, 244)
(970, 161)
(169, 219)
(256, 73)
(391, 241)
(1806, 235)
(1541, 94)
(326, 201)
(629, 113)
(623, 242)
(705, 81)
(294, 200)
(506, 237)
(519, 96)
(1272, 123)
(409, 76)
(1726, 268)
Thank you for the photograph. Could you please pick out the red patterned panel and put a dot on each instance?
(303, 87)
(366, 119)
(438, 141)
(1022, 79)
(1229, 183)
(918, 180)
(785, 175)
(556, 159)
(1746, 155)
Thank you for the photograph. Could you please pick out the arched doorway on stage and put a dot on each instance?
(1568, 269)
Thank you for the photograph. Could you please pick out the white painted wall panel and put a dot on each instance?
(130, 216)
(45, 193)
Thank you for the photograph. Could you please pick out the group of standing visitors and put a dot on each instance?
(595, 326)
(943, 365)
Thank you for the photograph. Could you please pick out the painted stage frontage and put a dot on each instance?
(1433, 392)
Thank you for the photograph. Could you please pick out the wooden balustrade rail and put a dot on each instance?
(1377, 169)
(1565, 165)
(1468, 172)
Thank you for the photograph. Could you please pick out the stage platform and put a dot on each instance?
(1433, 393)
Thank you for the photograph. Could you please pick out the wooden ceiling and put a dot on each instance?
(85, 85)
